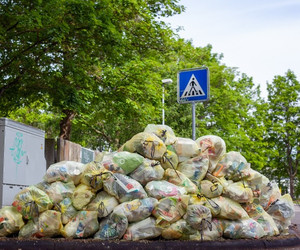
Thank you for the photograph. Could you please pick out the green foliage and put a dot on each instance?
(58, 51)
(283, 126)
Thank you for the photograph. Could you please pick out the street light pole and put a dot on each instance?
(164, 81)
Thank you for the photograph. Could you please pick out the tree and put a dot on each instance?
(56, 51)
(283, 126)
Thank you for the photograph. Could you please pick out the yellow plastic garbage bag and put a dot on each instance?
(164, 132)
(30, 229)
(146, 144)
(170, 209)
(179, 230)
(58, 191)
(64, 171)
(31, 201)
(269, 192)
(257, 213)
(145, 229)
(243, 229)
(179, 179)
(238, 191)
(91, 175)
(149, 170)
(207, 202)
(67, 210)
(213, 147)
(169, 159)
(83, 225)
(215, 232)
(48, 225)
(209, 189)
(138, 209)
(232, 166)
(162, 189)
(112, 227)
(282, 211)
(11, 221)
(103, 203)
(185, 148)
(230, 209)
(198, 216)
(195, 168)
(82, 196)
(123, 187)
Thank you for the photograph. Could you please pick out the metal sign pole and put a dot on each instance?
(192, 87)
(163, 104)
(194, 121)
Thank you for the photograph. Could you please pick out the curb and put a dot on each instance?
(78, 244)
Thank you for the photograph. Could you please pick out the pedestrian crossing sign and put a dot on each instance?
(193, 85)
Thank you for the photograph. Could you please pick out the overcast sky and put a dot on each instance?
(260, 37)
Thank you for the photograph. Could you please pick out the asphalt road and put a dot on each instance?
(296, 219)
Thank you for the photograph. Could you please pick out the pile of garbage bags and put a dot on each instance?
(156, 185)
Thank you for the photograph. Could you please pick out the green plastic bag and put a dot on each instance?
(122, 162)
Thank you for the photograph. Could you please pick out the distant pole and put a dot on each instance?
(163, 104)
(194, 121)
(164, 81)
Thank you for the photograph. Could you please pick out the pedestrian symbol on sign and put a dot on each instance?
(193, 88)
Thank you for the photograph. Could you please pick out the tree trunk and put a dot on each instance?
(66, 124)
(292, 186)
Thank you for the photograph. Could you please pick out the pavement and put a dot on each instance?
(296, 219)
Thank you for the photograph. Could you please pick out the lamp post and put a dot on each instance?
(164, 81)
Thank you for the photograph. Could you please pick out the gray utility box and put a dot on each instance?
(22, 160)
